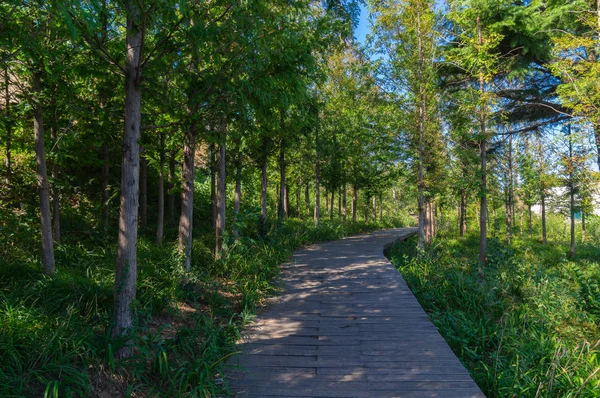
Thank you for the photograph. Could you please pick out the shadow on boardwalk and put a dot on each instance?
(347, 325)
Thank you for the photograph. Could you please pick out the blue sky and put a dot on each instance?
(363, 26)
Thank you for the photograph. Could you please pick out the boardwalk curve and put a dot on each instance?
(347, 325)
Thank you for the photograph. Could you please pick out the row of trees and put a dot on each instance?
(232, 86)
(484, 81)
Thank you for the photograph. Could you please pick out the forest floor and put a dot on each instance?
(54, 331)
(532, 328)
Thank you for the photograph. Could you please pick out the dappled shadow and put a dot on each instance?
(347, 325)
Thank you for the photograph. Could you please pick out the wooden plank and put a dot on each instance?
(347, 325)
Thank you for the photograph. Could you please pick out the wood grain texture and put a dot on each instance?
(347, 325)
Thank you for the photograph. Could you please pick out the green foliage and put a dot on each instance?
(54, 339)
(531, 328)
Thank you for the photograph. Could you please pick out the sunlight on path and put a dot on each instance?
(347, 325)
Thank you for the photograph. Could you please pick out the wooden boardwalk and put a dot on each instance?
(347, 325)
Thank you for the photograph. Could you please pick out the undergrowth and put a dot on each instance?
(54, 331)
(531, 329)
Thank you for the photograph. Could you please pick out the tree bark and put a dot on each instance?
(55, 193)
(354, 200)
(8, 153)
(317, 181)
(143, 189)
(170, 188)
(344, 207)
(307, 198)
(263, 195)
(326, 201)
(374, 199)
(221, 195)
(238, 191)
(282, 211)
(483, 149)
(160, 223)
(104, 185)
(126, 275)
(332, 205)
(544, 236)
(380, 207)
(572, 196)
(298, 200)
(187, 196)
(529, 220)
(42, 180)
(463, 212)
(582, 225)
(213, 185)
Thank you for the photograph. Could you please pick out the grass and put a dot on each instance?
(532, 328)
(54, 337)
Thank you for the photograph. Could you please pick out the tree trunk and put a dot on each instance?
(510, 207)
(572, 196)
(187, 196)
(344, 207)
(105, 194)
(143, 189)
(7, 113)
(160, 223)
(529, 220)
(263, 195)
(307, 198)
(170, 188)
(282, 205)
(374, 199)
(55, 193)
(483, 148)
(221, 196)
(42, 181)
(582, 225)
(317, 181)
(354, 200)
(463, 212)
(544, 236)
(332, 204)
(213, 185)
(326, 201)
(238, 192)
(126, 275)
(298, 200)
(380, 207)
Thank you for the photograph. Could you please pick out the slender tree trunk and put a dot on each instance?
(143, 189)
(326, 201)
(483, 149)
(332, 204)
(307, 198)
(263, 197)
(572, 196)
(529, 220)
(582, 225)
(380, 207)
(344, 207)
(421, 123)
(213, 185)
(104, 185)
(298, 200)
(238, 192)
(126, 275)
(510, 206)
(544, 236)
(42, 181)
(354, 200)
(374, 199)
(221, 196)
(160, 223)
(282, 205)
(170, 188)
(187, 196)
(55, 193)
(317, 181)
(463, 212)
(8, 153)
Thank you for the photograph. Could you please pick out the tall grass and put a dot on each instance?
(55, 331)
(532, 328)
